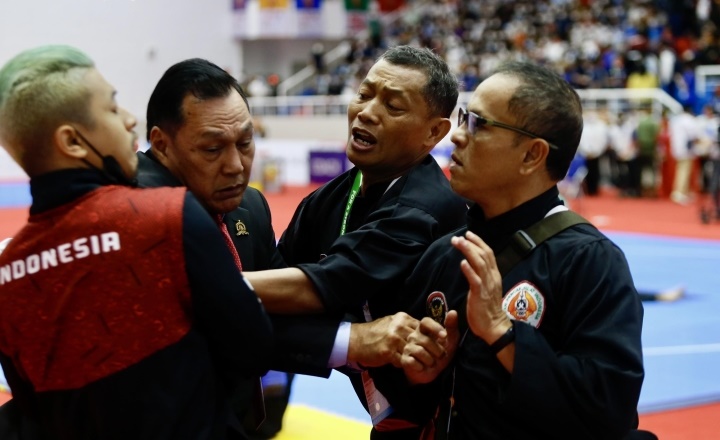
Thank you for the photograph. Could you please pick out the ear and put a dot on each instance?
(159, 142)
(438, 130)
(66, 143)
(535, 157)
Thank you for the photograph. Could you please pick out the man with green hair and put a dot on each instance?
(121, 308)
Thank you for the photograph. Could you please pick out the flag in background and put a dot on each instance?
(357, 5)
(390, 5)
(308, 4)
(273, 4)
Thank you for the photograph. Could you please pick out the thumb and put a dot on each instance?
(452, 323)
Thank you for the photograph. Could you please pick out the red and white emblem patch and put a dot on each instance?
(525, 303)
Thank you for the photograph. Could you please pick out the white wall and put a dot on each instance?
(132, 41)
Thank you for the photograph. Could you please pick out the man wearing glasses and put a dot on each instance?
(552, 348)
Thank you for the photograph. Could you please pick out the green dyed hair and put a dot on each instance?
(41, 89)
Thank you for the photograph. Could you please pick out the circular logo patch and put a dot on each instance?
(436, 307)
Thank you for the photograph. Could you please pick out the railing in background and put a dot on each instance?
(300, 79)
(615, 100)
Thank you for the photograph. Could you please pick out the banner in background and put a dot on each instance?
(356, 16)
(310, 24)
(239, 19)
(277, 19)
(326, 165)
(356, 22)
(309, 18)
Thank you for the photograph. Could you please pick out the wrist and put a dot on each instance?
(504, 340)
(353, 341)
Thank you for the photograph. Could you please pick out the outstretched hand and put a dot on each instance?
(430, 348)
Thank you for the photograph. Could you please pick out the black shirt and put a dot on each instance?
(578, 358)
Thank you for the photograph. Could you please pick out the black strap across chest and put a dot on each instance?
(523, 242)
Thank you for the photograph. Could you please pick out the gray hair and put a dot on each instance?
(546, 105)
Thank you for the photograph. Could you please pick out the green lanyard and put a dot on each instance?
(351, 199)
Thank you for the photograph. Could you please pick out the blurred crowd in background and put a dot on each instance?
(593, 44)
(641, 156)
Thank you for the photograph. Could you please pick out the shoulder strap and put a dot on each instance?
(525, 241)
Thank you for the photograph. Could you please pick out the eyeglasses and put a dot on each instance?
(474, 121)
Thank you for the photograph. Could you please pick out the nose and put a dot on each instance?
(368, 112)
(130, 120)
(233, 162)
(459, 136)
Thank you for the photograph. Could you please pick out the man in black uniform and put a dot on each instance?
(201, 135)
(551, 349)
(356, 239)
(132, 327)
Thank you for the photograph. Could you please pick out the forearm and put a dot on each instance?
(285, 291)
(304, 344)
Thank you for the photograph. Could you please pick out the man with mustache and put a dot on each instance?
(353, 241)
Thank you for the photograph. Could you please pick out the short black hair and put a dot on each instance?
(546, 105)
(442, 88)
(195, 76)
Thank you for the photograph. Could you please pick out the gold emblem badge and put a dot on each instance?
(240, 228)
(524, 302)
(436, 307)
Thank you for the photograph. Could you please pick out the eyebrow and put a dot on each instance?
(387, 89)
(212, 133)
(469, 110)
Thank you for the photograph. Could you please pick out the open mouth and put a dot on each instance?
(363, 138)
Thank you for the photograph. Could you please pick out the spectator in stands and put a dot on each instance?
(684, 132)
(646, 139)
(623, 145)
(707, 144)
(593, 145)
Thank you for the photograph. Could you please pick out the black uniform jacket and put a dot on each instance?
(578, 364)
(389, 228)
(302, 344)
